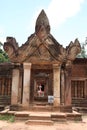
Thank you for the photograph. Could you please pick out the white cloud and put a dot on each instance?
(59, 10)
(2, 39)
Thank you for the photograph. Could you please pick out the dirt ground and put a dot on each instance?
(4, 125)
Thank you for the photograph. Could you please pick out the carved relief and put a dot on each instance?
(41, 46)
(11, 47)
(72, 50)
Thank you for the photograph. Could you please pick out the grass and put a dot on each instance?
(7, 117)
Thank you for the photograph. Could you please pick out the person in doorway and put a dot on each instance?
(39, 90)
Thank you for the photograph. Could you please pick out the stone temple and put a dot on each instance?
(41, 69)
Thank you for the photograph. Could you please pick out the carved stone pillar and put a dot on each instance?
(67, 86)
(20, 87)
(56, 84)
(26, 84)
(62, 87)
(15, 87)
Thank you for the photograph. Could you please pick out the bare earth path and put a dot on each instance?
(4, 125)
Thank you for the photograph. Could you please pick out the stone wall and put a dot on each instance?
(79, 68)
(79, 73)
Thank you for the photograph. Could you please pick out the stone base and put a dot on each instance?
(66, 109)
(15, 107)
(45, 107)
(56, 102)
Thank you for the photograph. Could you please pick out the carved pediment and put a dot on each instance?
(41, 46)
(72, 51)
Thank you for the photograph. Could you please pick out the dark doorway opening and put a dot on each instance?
(42, 87)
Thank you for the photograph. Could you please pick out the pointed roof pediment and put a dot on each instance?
(44, 51)
(41, 46)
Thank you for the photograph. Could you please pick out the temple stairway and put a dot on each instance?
(42, 113)
(41, 107)
(43, 118)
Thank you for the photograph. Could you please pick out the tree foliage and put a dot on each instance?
(3, 55)
(83, 53)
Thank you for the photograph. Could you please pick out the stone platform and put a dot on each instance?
(42, 107)
(43, 118)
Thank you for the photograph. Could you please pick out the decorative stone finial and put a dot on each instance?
(42, 20)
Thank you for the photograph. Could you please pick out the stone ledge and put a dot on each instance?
(21, 116)
(39, 122)
(58, 117)
(74, 117)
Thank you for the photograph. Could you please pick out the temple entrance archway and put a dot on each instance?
(41, 83)
(41, 87)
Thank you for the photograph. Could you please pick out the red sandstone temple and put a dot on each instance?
(42, 71)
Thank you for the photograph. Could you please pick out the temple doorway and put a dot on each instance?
(41, 83)
(41, 88)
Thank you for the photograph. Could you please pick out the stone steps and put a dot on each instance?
(41, 108)
(39, 122)
(43, 118)
(39, 116)
(46, 117)
(22, 116)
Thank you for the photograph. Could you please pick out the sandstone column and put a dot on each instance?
(20, 87)
(56, 84)
(67, 87)
(15, 87)
(26, 84)
(62, 87)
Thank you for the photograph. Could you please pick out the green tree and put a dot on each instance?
(3, 55)
(83, 53)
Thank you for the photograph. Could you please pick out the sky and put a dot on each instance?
(67, 18)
